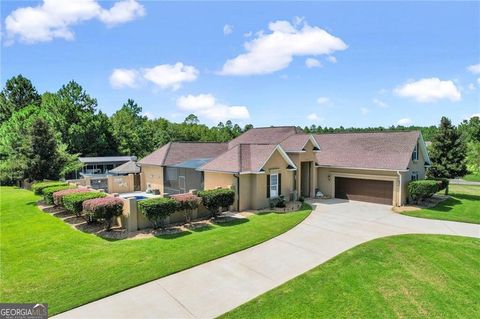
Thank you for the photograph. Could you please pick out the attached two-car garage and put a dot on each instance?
(367, 190)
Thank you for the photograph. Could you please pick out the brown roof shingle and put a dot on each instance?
(295, 142)
(383, 150)
(241, 158)
(265, 135)
(177, 152)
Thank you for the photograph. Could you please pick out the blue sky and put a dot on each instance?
(369, 64)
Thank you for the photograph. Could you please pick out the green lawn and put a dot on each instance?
(45, 260)
(464, 206)
(408, 276)
(472, 177)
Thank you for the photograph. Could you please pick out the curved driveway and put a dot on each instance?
(213, 288)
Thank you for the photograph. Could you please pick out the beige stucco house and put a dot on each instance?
(267, 162)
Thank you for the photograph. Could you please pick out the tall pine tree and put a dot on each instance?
(448, 152)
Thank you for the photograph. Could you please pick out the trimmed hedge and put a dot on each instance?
(422, 189)
(215, 199)
(73, 202)
(156, 210)
(49, 191)
(187, 203)
(58, 196)
(38, 187)
(443, 185)
(104, 209)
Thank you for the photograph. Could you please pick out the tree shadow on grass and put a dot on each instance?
(450, 203)
(200, 227)
(172, 236)
(230, 221)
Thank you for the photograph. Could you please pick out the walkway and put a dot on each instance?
(213, 288)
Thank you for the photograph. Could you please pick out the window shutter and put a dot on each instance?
(279, 184)
(268, 186)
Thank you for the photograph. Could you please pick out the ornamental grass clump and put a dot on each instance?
(187, 203)
(104, 209)
(156, 210)
(58, 196)
(38, 187)
(215, 199)
(49, 191)
(73, 202)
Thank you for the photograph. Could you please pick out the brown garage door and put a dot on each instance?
(366, 190)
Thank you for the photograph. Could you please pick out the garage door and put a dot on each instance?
(366, 190)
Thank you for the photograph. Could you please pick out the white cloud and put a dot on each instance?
(323, 100)
(332, 59)
(405, 122)
(429, 90)
(471, 87)
(121, 78)
(474, 68)
(54, 18)
(227, 29)
(167, 76)
(474, 115)
(268, 53)
(207, 105)
(364, 110)
(313, 63)
(314, 117)
(379, 103)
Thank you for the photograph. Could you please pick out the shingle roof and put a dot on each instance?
(177, 152)
(241, 158)
(265, 135)
(129, 167)
(295, 142)
(385, 150)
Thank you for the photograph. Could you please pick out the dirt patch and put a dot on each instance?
(427, 203)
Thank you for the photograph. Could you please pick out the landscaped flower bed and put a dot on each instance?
(103, 209)
(38, 187)
(73, 203)
(58, 196)
(49, 191)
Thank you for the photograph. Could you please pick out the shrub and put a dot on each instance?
(277, 202)
(422, 189)
(58, 196)
(301, 199)
(49, 191)
(187, 203)
(73, 202)
(156, 210)
(215, 199)
(37, 187)
(104, 209)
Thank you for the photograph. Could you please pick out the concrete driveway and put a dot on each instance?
(213, 288)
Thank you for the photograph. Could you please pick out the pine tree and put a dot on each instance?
(448, 152)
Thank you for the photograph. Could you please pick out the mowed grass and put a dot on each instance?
(45, 260)
(408, 276)
(472, 177)
(463, 206)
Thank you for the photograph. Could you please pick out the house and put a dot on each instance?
(101, 165)
(130, 167)
(268, 162)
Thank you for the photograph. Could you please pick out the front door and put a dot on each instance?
(273, 185)
(305, 176)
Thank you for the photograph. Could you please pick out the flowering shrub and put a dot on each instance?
(104, 209)
(48, 192)
(58, 196)
(73, 202)
(187, 203)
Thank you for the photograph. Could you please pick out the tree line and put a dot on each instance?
(42, 135)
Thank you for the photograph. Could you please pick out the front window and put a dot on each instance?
(414, 176)
(273, 185)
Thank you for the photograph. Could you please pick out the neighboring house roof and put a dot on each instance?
(265, 135)
(385, 150)
(245, 158)
(107, 159)
(129, 167)
(177, 152)
(297, 142)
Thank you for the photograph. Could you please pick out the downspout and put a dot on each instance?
(237, 176)
(399, 203)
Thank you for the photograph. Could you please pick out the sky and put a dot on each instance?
(266, 63)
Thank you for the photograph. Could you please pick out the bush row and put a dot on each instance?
(49, 191)
(38, 187)
(73, 203)
(156, 210)
(58, 196)
(103, 209)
